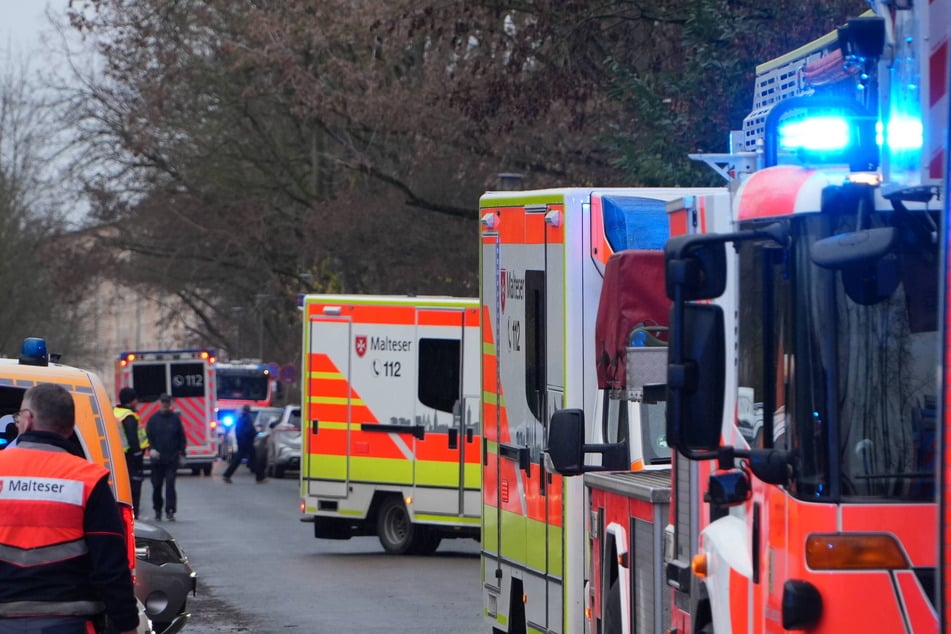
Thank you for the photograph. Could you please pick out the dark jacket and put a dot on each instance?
(100, 575)
(244, 431)
(166, 436)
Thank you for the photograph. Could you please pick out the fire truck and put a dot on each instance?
(239, 383)
(807, 309)
(189, 377)
(546, 256)
(391, 430)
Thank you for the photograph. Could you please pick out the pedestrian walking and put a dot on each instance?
(63, 564)
(134, 441)
(244, 433)
(166, 436)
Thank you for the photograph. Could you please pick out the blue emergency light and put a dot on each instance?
(34, 352)
(823, 133)
(817, 131)
(904, 134)
(227, 420)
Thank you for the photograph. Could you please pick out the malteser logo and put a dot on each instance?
(502, 277)
(513, 286)
(360, 345)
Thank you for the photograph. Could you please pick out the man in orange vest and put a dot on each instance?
(63, 552)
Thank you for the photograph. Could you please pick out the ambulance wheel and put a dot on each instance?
(206, 469)
(425, 541)
(612, 610)
(394, 527)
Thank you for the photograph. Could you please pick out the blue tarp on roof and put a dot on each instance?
(635, 223)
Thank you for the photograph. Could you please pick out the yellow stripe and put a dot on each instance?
(325, 375)
(525, 543)
(442, 519)
(324, 424)
(490, 397)
(327, 400)
(386, 470)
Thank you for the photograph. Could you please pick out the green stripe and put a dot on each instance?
(523, 540)
(506, 199)
(370, 300)
(444, 519)
(333, 400)
(491, 398)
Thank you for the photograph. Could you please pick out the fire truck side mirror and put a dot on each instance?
(695, 381)
(565, 452)
(696, 266)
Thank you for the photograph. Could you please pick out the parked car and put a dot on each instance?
(227, 443)
(277, 446)
(163, 578)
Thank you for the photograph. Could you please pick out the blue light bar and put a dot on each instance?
(905, 134)
(822, 133)
(228, 420)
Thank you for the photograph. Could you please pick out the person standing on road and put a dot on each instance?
(166, 436)
(134, 441)
(63, 564)
(244, 433)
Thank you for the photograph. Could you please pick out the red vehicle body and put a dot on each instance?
(805, 359)
(189, 377)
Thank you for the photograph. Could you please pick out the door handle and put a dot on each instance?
(453, 438)
(418, 431)
(521, 455)
(313, 426)
(469, 434)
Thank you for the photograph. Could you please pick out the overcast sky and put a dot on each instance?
(22, 22)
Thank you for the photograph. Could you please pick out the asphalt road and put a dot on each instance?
(261, 570)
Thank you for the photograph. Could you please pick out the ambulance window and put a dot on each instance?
(188, 379)
(149, 381)
(535, 341)
(439, 373)
(654, 424)
(10, 403)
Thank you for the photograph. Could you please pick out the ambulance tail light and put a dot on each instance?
(128, 520)
(854, 551)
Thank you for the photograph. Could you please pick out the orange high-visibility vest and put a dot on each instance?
(43, 498)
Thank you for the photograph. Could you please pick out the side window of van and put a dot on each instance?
(11, 401)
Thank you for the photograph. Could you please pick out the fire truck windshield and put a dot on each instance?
(850, 350)
(235, 384)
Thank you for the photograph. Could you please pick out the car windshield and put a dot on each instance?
(850, 350)
(293, 418)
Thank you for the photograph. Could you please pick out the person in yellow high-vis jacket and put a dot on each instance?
(134, 441)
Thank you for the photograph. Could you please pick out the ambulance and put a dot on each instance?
(97, 432)
(392, 439)
(189, 377)
(544, 258)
